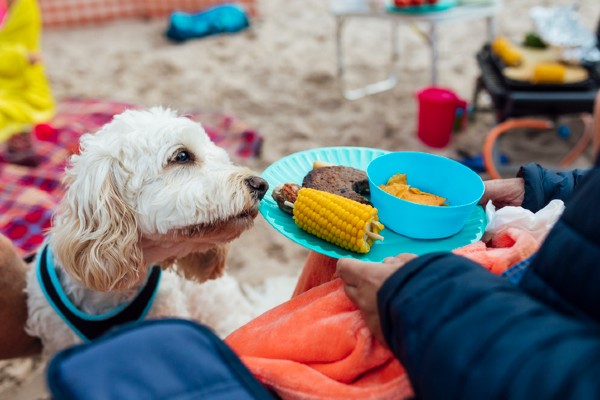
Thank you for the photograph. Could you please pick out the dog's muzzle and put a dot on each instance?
(258, 186)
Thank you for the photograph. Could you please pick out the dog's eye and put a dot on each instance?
(182, 157)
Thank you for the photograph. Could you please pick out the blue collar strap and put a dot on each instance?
(89, 327)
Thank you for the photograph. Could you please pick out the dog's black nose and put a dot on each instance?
(258, 186)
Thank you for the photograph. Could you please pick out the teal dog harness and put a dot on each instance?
(86, 326)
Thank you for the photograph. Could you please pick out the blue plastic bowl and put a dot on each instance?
(430, 173)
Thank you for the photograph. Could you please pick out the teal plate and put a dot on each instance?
(293, 168)
(441, 5)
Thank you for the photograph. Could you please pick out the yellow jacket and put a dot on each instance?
(25, 96)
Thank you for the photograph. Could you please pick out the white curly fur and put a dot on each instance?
(150, 187)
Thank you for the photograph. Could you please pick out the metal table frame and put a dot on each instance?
(343, 10)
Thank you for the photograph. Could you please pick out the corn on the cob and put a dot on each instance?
(549, 73)
(499, 44)
(336, 219)
(507, 52)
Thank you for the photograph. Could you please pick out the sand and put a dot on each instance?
(280, 78)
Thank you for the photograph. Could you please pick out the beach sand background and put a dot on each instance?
(279, 77)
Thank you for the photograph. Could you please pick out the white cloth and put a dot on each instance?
(538, 224)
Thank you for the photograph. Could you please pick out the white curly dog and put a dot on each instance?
(149, 189)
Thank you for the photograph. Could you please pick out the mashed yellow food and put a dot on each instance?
(398, 186)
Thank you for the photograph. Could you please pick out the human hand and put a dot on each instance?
(34, 58)
(504, 192)
(363, 279)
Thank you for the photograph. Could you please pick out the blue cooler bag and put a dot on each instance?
(159, 359)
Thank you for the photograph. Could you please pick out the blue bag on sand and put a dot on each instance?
(225, 18)
(155, 359)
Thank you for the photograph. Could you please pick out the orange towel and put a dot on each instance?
(317, 346)
(318, 269)
(503, 251)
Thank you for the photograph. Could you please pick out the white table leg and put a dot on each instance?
(491, 28)
(377, 87)
(339, 25)
(395, 50)
(434, 52)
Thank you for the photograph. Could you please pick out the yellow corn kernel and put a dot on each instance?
(336, 219)
(549, 73)
(508, 53)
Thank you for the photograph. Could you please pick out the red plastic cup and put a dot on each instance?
(437, 112)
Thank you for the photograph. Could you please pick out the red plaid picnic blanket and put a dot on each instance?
(28, 195)
(63, 13)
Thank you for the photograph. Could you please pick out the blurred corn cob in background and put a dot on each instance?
(508, 53)
(549, 73)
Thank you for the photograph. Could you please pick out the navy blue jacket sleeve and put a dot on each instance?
(463, 333)
(567, 265)
(543, 185)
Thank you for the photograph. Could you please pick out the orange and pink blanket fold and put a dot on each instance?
(317, 345)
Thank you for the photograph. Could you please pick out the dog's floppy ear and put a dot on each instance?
(204, 266)
(95, 237)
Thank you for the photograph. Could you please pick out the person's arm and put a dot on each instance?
(596, 119)
(14, 342)
(543, 185)
(463, 333)
(533, 188)
(14, 59)
(567, 265)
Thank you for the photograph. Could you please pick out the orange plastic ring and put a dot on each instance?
(490, 139)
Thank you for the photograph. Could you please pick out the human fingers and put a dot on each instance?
(34, 58)
(374, 323)
(392, 261)
(504, 192)
(353, 294)
(353, 271)
(400, 258)
(516, 193)
(362, 294)
(365, 298)
(367, 304)
(491, 189)
(368, 276)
